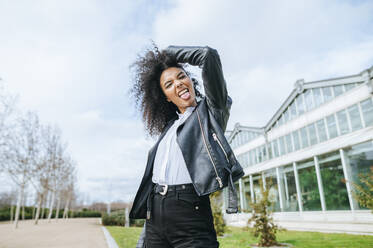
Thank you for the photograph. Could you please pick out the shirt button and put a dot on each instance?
(196, 207)
(183, 187)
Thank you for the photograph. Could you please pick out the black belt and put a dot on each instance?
(163, 189)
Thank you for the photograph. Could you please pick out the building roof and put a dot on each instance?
(300, 87)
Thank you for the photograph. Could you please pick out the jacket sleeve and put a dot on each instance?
(212, 75)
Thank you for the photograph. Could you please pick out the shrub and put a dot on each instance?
(137, 222)
(113, 220)
(216, 207)
(363, 192)
(263, 226)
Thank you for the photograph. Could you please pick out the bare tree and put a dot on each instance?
(20, 154)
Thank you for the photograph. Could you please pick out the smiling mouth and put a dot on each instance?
(184, 94)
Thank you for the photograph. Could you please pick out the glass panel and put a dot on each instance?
(246, 191)
(289, 143)
(359, 161)
(367, 108)
(293, 110)
(282, 145)
(264, 152)
(312, 134)
(308, 100)
(286, 115)
(321, 130)
(275, 148)
(288, 189)
(300, 105)
(304, 137)
(296, 140)
(327, 92)
(256, 187)
(252, 157)
(308, 186)
(335, 191)
(317, 96)
(338, 90)
(270, 154)
(271, 182)
(343, 122)
(355, 117)
(255, 156)
(259, 154)
(332, 126)
(349, 86)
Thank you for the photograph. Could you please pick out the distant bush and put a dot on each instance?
(137, 222)
(86, 214)
(5, 213)
(114, 219)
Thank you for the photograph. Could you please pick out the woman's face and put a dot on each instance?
(178, 88)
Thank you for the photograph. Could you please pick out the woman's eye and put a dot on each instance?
(167, 85)
(182, 76)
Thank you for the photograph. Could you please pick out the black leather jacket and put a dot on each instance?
(207, 154)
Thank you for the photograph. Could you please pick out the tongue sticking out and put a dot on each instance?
(185, 96)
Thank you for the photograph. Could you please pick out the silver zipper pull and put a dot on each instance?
(214, 136)
(220, 182)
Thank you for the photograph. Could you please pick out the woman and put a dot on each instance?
(191, 158)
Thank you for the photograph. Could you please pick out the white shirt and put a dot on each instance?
(169, 164)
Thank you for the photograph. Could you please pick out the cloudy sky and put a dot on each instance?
(69, 62)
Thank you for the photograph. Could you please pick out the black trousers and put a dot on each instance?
(180, 219)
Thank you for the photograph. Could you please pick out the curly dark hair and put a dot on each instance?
(146, 90)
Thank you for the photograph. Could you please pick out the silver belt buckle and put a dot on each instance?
(164, 192)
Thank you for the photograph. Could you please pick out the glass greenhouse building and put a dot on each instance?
(311, 152)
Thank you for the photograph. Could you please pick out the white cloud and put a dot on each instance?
(266, 46)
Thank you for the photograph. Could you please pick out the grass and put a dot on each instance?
(240, 238)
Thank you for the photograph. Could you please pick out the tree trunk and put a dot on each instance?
(43, 204)
(20, 195)
(51, 206)
(58, 208)
(11, 212)
(23, 206)
(33, 212)
(40, 200)
(66, 210)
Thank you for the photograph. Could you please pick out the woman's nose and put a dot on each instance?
(178, 83)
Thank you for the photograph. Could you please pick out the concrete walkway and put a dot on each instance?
(72, 233)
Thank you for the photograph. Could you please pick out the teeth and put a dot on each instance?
(183, 91)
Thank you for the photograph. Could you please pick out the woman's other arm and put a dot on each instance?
(212, 75)
(208, 60)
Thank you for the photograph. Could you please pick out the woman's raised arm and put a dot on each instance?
(208, 60)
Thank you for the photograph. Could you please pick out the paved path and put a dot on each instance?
(72, 233)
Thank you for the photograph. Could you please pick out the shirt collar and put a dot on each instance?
(187, 112)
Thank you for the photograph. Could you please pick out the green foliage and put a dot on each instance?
(310, 191)
(216, 207)
(114, 219)
(363, 192)
(263, 225)
(86, 214)
(137, 222)
(335, 191)
(5, 213)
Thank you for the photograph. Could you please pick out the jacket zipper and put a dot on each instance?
(221, 146)
(208, 152)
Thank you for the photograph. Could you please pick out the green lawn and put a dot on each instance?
(239, 238)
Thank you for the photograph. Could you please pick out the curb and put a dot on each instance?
(109, 239)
